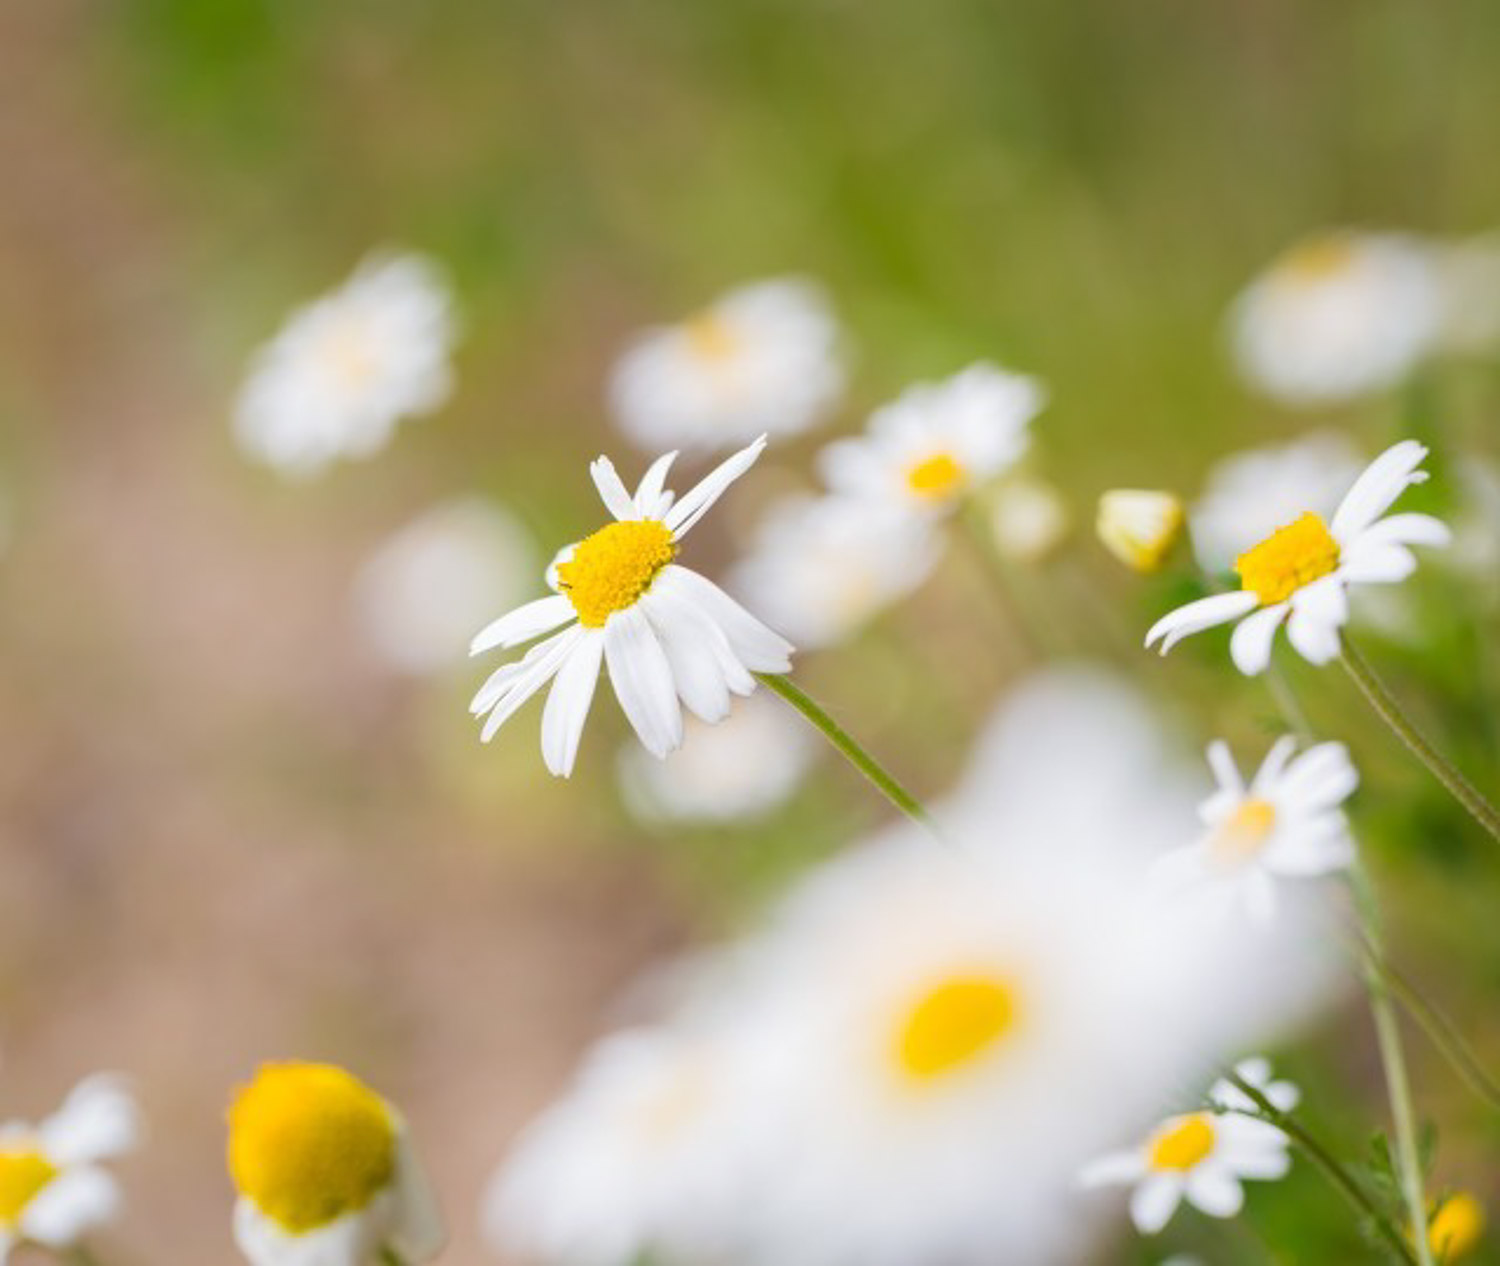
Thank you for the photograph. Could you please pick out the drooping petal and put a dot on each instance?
(1250, 643)
(74, 1203)
(1155, 1201)
(1377, 564)
(1383, 480)
(1200, 615)
(1407, 529)
(1313, 630)
(611, 489)
(695, 504)
(568, 703)
(416, 1222)
(350, 1240)
(688, 636)
(524, 623)
(1215, 1191)
(642, 680)
(1117, 1167)
(531, 679)
(757, 647)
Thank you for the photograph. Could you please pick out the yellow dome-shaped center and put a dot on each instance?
(952, 1024)
(611, 569)
(1244, 832)
(1289, 558)
(936, 478)
(309, 1143)
(24, 1171)
(1183, 1142)
(1456, 1228)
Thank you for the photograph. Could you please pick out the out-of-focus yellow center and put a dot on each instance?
(952, 1024)
(309, 1143)
(1289, 558)
(710, 338)
(936, 478)
(1317, 259)
(611, 569)
(1456, 1227)
(1182, 1143)
(348, 354)
(24, 1171)
(1244, 832)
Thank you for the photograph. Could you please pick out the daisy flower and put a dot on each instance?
(1338, 316)
(53, 1190)
(1286, 823)
(325, 1173)
(1302, 573)
(348, 367)
(1203, 1156)
(762, 360)
(938, 441)
(1139, 526)
(662, 631)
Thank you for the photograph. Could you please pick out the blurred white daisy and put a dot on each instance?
(53, 1189)
(1339, 315)
(1286, 823)
(762, 360)
(937, 441)
(420, 596)
(1028, 518)
(1250, 494)
(1203, 1156)
(1139, 526)
(820, 567)
(345, 369)
(662, 631)
(1302, 573)
(326, 1173)
(743, 767)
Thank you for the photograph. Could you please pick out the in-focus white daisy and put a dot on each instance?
(345, 369)
(1302, 573)
(743, 767)
(326, 1173)
(762, 360)
(1248, 495)
(420, 596)
(1028, 518)
(662, 631)
(937, 441)
(1203, 1156)
(1339, 315)
(1139, 526)
(53, 1189)
(820, 567)
(1287, 823)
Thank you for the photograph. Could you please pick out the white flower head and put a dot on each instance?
(938, 441)
(741, 768)
(345, 369)
(53, 1188)
(664, 632)
(1139, 526)
(1286, 823)
(1301, 574)
(1028, 518)
(762, 360)
(421, 594)
(1204, 1156)
(326, 1173)
(1338, 316)
(820, 567)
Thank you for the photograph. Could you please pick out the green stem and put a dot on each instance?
(1390, 712)
(1325, 1160)
(846, 745)
(1287, 705)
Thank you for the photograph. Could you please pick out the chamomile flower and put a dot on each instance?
(325, 1173)
(662, 631)
(53, 1189)
(820, 567)
(762, 360)
(938, 441)
(1204, 1156)
(1338, 316)
(345, 369)
(1286, 823)
(1301, 574)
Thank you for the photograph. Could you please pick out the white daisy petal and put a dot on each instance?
(611, 489)
(1216, 1192)
(1316, 640)
(1226, 772)
(759, 648)
(1275, 762)
(642, 680)
(696, 502)
(1407, 529)
(1385, 479)
(650, 492)
(568, 703)
(1153, 1203)
(1250, 644)
(689, 642)
(1200, 615)
(1118, 1167)
(74, 1203)
(531, 679)
(98, 1120)
(524, 623)
(416, 1221)
(1377, 564)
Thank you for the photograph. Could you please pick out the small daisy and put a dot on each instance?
(1302, 573)
(348, 367)
(1287, 823)
(1139, 526)
(1202, 1156)
(762, 360)
(325, 1173)
(53, 1191)
(662, 631)
(1338, 316)
(938, 441)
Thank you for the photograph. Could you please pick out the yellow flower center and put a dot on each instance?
(309, 1143)
(1289, 558)
(936, 478)
(24, 1171)
(1456, 1227)
(1244, 832)
(711, 339)
(952, 1024)
(1182, 1142)
(348, 353)
(611, 569)
(1317, 259)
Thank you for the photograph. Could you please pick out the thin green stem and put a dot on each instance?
(1287, 705)
(1385, 705)
(847, 746)
(1325, 1161)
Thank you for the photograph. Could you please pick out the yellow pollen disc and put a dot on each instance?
(953, 1024)
(1317, 259)
(1182, 1143)
(1456, 1227)
(710, 338)
(1289, 558)
(309, 1143)
(936, 478)
(1242, 834)
(611, 569)
(24, 1171)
